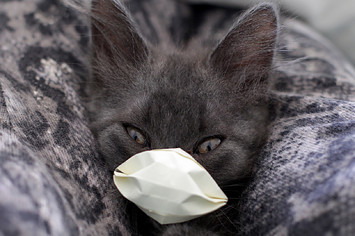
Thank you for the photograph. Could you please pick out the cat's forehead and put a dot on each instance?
(175, 105)
(179, 69)
(174, 117)
(183, 85)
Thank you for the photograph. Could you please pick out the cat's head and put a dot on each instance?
(211, 102)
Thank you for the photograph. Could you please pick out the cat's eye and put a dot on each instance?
(208, 145)
(136, 135)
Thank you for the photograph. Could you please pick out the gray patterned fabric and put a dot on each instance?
(305, 178)
(53, 182)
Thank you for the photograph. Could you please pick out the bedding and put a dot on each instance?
(54, 182)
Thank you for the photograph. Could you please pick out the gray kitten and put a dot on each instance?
(208, 98)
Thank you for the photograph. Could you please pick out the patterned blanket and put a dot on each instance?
(53, 182)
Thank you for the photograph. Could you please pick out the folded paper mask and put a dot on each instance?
(169, 185)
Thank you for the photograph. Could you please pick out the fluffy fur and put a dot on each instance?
(180, 95)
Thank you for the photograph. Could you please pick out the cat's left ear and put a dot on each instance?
(115, 37)
(246, 53)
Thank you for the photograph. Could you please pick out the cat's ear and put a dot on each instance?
(114, 36)
(246, 52)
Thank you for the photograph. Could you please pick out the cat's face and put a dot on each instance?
(210, 102)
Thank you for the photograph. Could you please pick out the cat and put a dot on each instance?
(208, 98)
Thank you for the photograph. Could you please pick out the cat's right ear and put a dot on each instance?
(245, 55)
(116, 42)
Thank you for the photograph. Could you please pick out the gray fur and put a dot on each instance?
(181, 95)
(54, 182)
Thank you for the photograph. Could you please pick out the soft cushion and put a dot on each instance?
(52, 180)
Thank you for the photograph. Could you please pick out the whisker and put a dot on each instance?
(289, 63)
(233, 185)
(230, 221)
(234, 198)
(221, 222)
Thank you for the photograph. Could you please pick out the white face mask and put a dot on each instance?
(169, 185)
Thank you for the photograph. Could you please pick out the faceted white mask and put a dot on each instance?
(169, 185)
